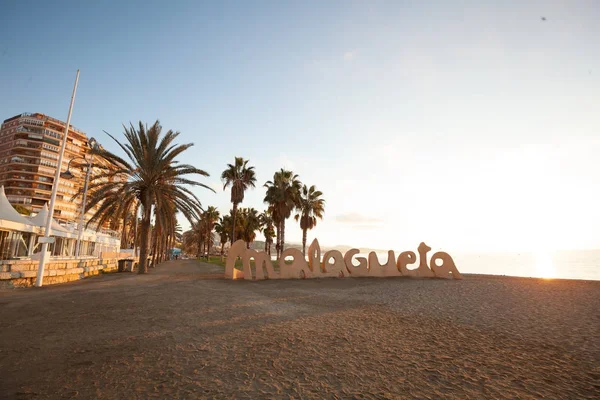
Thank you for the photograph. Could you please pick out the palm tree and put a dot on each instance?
(152, 176)
(223, 228)
(283, 194)
(211, 215)
(240, 177)
(128, 226)
(190, 242)
(250, 224)
(164, 229)
(268, 229)
(199, 235)
(177, 235)
(310, 207)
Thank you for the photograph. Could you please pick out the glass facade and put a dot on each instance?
(14, 244)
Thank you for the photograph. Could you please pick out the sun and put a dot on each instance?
(544, 265)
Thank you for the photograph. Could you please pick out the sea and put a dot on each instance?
(584, 264)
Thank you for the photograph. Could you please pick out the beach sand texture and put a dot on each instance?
(183, 332)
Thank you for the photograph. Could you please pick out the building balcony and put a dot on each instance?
(22, 161)
(31, 121)
(25, 129)
(19, 200)
(26, 146)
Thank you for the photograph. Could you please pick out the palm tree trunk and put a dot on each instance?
(265, 245)
(135, 234)
(167, 250)
(235, 206)
(199, 252)
(124, 233)
(171, 244)
(154, 248)
(304, 241)
(277, 239)
(158, 245)
(282, 234)
(145, 228)
(208, 243)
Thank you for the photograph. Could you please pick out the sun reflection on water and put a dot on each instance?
(544, 265)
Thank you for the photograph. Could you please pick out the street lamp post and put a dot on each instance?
(45, 240)
(69, 175)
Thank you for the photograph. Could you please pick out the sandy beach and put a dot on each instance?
(184, 332)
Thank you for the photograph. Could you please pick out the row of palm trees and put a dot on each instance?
(150, 183)
(284, 195)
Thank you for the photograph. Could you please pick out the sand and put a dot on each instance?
(184, 332)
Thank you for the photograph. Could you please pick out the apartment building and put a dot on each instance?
(29, 149)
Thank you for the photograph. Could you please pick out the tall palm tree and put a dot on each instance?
(190, 242)
(223, 228)
(128, 223)
(250, 224)
(199, 235)
(310, 207)
(153, 176)
(268, 229)
(283, 194)
(240, 177)
(211, 216)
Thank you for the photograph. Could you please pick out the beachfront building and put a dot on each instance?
(19, 236)
(29, 149)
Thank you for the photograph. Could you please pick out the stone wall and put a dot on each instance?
(22, 273)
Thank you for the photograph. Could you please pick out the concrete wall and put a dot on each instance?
(22, 273)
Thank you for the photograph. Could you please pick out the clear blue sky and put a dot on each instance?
(473, 125)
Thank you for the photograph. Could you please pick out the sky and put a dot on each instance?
(470, 125)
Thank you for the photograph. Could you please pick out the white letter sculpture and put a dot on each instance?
(336, 265)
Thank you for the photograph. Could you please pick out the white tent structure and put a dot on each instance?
(41, 218)
(8, 213)
(18, 235)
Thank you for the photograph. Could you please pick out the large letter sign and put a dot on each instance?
(336, 265)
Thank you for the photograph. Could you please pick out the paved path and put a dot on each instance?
(182, 331)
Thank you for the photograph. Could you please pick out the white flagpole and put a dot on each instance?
(46, 239)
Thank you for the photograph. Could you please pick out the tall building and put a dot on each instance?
(29, 149)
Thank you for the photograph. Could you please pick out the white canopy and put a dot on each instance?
(7, 212)
(41, 218)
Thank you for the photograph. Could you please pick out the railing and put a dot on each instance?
(23, 177)
(20, 200)
(49, 147)
(22, 160)
(24, 129)
(53, 134)
(46, 170)
(32, 121)
(19, 185)
(71, 127)
(23, 143)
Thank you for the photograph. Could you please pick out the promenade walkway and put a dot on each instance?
(182, 331)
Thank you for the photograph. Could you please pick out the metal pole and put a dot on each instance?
(40, 273)
(83, 202)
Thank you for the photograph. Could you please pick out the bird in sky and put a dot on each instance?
(543, 18)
